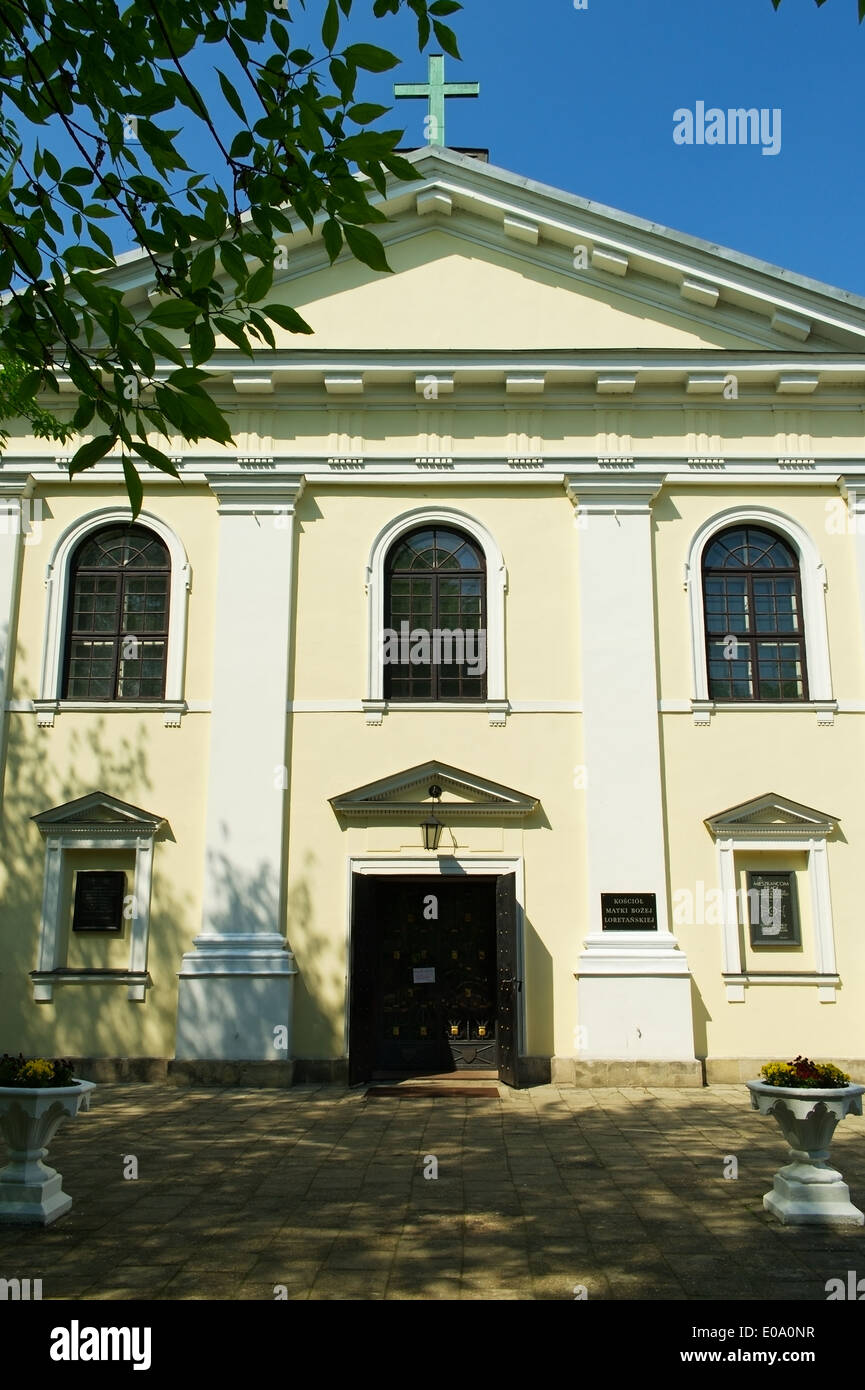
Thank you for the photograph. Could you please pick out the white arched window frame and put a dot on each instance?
(496, 701)
(812, 575)
(57, 587)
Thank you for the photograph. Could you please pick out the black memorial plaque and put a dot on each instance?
(629, 912)
(773, 909)
(99, 900)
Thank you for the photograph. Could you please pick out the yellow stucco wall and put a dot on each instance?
(432, 303)
(134, 757)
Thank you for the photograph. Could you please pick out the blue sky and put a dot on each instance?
(585, 99)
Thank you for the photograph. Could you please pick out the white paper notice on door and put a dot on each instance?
(424, 975)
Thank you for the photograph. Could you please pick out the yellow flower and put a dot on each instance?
(36, 1071)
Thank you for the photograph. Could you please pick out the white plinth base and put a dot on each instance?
(235, 999)
(807, 1195)
(634, 995)
(34, 1203)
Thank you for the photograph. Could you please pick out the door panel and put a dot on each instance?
(436, 997)
(509, 983)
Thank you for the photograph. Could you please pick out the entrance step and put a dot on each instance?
(442, 1090)
(422, 1077)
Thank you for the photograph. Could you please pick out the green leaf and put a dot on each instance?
(77, 175)
(367, 111)
(241, 144)
(162, 345)
(133, 485)
(332, 236)
(287, 318)
(202, 269)
(174, 313)
(214, 213)
(92, 452)
(443, 7)
(233, 331)
(231, 96)
(447, 38)
(84, 414)
(52, 165)
(260, 283)
(330, 26)
(400, 166)
(155, 457)
(233, 262)
(87, 258)
(201, 342)
(207, 418)
(370, 58)
(365, 247)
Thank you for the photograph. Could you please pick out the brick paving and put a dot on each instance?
(321, 1192)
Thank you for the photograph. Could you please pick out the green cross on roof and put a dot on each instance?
(436, 90)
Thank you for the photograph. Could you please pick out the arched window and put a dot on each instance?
(435, 641)
(117, 616)
(755, 637)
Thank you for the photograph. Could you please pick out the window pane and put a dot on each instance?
(780, 668)
(777, 605)
(91, 670)
(727, 606)
(142, 673)
(730, 678)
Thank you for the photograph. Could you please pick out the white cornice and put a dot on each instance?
(278, 486)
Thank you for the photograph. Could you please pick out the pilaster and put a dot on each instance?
(634, 986)
(235, 998)
(15, 489)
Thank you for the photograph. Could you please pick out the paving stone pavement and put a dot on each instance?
(317, 1193)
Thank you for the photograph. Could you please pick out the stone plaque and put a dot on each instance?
(98, 900)
(629, 912)
(773, 909)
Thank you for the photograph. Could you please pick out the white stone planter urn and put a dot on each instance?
(808, 1192)
(31, 1193)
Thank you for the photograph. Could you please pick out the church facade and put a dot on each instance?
(497, 704)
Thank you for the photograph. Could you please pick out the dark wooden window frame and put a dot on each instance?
(436, 575)
(753, 639)
(122, 573)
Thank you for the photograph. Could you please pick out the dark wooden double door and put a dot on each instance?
(434, 982)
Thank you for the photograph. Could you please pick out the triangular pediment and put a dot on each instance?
(405, 795)
(484, 259)
(771, 815)
(98, 813)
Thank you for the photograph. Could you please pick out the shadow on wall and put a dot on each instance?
(46, 769)
(320, 997)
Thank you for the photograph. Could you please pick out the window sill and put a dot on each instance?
(497, 710)
(736, 983)
(171, 710)
(45, 980)
(703, 710)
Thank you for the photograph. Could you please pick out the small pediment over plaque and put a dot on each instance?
(629, 912)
